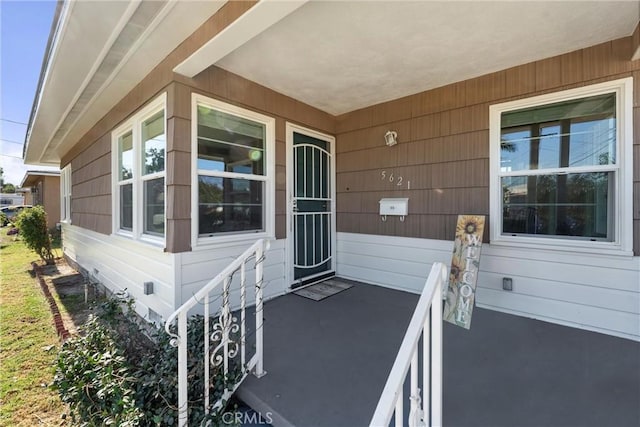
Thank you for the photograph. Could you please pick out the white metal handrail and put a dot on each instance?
(426, 322)
(226, 348)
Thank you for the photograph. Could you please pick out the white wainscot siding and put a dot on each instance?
(119, 263)
(394, 262)
(593, 292)
(203, 264)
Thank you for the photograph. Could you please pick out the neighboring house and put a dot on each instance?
(26, 194)
(8, 199)
(45, 191)
(178, 127)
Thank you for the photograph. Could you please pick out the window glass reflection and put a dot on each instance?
(229, 143)
(125, 153)
(153, 144)
(229, 205)
(562, 205)
(154, 206)
(575, 133)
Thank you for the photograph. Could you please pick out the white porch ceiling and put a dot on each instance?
(342, 56)
(102, 50)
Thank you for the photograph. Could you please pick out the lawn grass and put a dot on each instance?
(28, 342)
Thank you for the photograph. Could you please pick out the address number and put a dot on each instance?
(397, 180)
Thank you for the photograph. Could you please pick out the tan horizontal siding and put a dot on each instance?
(50, 194)
(443, 143)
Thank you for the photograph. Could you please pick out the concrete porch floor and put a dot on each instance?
(327, 363)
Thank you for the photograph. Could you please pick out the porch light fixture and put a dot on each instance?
(391, 138)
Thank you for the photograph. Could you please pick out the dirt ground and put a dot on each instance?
(74, 293)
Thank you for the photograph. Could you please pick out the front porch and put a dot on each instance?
(328, 361)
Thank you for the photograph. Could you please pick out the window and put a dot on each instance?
(139, 146)
(125, 180)
(233, 182)
(560, 168)
(65, 194)
(153, 153)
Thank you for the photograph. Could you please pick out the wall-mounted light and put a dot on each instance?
(391, 137)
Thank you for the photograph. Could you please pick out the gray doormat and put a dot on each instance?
(321, 290)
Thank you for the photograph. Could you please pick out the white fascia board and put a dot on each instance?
(259, 18)
(117, 29)
(62, 16)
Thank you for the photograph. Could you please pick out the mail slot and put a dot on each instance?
(397, 206)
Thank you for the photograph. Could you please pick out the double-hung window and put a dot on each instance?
(152, 174)
(233, 154)
(139, 148)
(561, 169)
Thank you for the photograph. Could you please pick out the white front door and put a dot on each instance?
(311, 207)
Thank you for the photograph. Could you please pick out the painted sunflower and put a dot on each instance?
(469, 224)
(457, 267)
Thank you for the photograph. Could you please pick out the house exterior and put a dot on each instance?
(190, 129)
(26, 194)
(8, 199)
(44, 191)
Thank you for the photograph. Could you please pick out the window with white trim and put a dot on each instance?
(139, 148)
(233, 151)
(560, 168)
(65, 194)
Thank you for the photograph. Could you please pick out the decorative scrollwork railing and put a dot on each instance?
(426, 409)
(223, 333)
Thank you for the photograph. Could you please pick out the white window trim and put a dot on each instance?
(268, 178)
(65, 194)
(134, 124)
(622, 243)
(126, 128)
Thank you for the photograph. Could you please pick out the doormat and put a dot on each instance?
(322, 290)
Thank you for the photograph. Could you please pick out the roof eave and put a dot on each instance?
(61, 9)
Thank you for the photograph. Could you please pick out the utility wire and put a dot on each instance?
(9, 155)
(11, 141)
(14, 121)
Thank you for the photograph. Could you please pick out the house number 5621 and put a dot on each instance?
(399, 181)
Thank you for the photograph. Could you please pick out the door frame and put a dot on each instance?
(292, 128)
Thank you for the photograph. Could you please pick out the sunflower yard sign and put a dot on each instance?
(461, 293)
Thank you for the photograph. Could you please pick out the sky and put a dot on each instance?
(24, 31)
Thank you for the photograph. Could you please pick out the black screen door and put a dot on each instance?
(311, 207)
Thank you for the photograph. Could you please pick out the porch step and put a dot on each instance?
(248, 417)
(261, 407)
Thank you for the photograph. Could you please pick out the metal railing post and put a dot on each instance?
(182, 370)
(436, 354)
(259, 370)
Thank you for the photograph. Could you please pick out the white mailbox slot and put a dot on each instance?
(396, 207)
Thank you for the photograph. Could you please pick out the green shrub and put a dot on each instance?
(55, 234)
(32, 224)
(4, 220)
(95, 379)
(146, 378)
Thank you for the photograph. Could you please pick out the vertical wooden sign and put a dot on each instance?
(461, 292)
